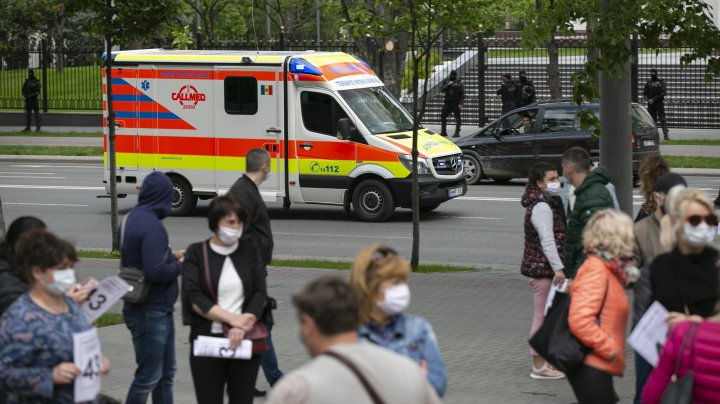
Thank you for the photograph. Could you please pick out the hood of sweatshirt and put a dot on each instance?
(156, 194)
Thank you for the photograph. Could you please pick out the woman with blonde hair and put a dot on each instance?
(380, 275)
(599, 307)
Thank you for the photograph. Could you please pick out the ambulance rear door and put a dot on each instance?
(127, 98)
(248, 114)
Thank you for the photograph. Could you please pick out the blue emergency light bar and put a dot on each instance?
(301, 66)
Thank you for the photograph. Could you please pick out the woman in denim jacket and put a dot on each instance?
(380, 275)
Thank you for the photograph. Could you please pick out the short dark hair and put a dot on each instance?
(521, 73)
(578, 158)
(221, 207)
(16, 229)
(255, 159)
(507, 76)
(653, 71)
(332, 303)
(42, 249)
(537, 172)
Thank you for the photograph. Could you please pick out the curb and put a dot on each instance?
(710, 172)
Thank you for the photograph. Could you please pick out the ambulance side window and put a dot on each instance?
(241, 95)
(320, 113)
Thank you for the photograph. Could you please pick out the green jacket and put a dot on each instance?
(590, 197)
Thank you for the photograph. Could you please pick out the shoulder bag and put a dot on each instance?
(554, 341)
(376, 399)
(138, 287)
(681, 391)
(258, 334)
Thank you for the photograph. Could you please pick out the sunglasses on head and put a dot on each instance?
(711, 220)
(382, 252)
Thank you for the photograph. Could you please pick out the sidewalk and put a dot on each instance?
(481, 318)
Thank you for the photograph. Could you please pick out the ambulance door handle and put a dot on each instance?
(306, 146)
(272, 130)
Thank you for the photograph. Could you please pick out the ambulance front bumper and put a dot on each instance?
(432, 191)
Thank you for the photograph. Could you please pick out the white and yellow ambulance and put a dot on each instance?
(335, 135)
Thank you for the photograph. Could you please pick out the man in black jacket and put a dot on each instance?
(257, 227)
(655, 95)
(525, 91)
(507, 93)
(454, 93)
(31, 91)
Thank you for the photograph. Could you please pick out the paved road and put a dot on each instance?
(704, 151)
(482, 229)
(481, 318)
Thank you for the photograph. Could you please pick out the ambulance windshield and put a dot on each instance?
(378, 110)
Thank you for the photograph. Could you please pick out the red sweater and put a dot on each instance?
(705, 363)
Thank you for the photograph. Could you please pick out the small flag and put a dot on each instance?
(265, 90)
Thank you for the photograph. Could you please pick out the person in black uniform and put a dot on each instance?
(31, 92)
(655, 95)
(454, 93)
(525, 91)
(257, 227)
(507, 93)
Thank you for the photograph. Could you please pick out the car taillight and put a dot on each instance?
(634, 141)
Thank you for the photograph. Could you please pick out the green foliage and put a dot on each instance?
(98, 254)
(422, 72)
(109, 319)
(693, 162)
(52, 134)
(52, 150)
(71, 83)
(182, 39)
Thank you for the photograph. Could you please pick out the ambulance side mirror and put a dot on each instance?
(345, 129)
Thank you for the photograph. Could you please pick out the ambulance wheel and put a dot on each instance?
(183, 200)
(373, 201)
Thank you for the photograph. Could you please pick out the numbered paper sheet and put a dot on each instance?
(108, 292)
(87, 357)
(215, 347)
(649, 335)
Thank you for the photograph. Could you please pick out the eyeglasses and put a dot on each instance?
(382, 252)
(711, 220)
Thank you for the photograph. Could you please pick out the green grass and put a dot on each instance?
(692, 162)
(692, 142)
(346, 265)
(52, 134)
(109, 319)
(98, 254)
(78, 87)
(52, 151)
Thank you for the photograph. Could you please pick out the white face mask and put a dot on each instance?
(397, 299)
(229, 235)
(554, 188)
(63, 279)
(700, 235)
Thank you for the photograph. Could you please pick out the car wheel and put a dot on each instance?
(373, 201)
(183, 200)
(473, 170)
(430, 208)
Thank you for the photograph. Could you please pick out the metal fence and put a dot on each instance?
(691, 102)
(71, 76)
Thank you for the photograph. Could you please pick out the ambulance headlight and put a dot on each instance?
(422, 166)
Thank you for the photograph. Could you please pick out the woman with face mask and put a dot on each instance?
(543, 255)
(36, 331)
(380, 275)
(685, 280)
(223, 284)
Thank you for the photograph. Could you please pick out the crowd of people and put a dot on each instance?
(667, 256)
(362, 341)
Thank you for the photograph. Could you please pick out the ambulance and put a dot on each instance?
(334, 133)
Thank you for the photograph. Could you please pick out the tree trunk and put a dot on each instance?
(111, 136)
(553, 69)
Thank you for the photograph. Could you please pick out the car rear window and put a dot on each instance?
(641, 119)
(560, 120)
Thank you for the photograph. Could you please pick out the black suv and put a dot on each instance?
(512, 144)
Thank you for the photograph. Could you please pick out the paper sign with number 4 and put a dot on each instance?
(87, 356)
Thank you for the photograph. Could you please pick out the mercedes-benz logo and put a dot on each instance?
(454, 163)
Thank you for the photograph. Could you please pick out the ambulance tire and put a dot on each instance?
(183, 201)
(373, 201)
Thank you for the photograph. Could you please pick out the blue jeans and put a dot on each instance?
(153, 334)
(642, 373)
(269, 362)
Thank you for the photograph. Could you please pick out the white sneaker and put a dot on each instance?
(546, 372)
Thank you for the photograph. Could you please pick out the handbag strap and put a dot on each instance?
(602, 305)
(689, 336)
(206, 266)
(368, 387)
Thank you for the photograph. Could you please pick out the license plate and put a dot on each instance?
(455, 192)
(648, 143)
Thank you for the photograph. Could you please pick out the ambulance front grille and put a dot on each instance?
(448, 165)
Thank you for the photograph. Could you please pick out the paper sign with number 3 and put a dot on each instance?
(87, 356)
(108, 292)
